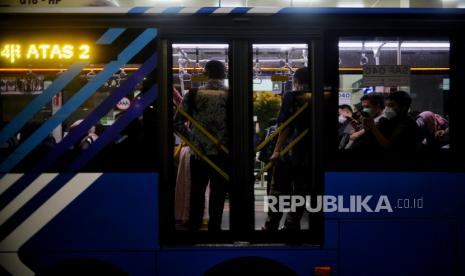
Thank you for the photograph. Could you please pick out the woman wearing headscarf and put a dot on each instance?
(434, 129)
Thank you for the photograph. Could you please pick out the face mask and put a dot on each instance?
(342, 119)
(389, 113)
(367, 110)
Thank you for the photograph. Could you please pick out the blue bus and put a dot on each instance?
(95, 179)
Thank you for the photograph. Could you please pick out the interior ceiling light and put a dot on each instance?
(201, 46)
(373, 44)
(350, 4)
(280, 46)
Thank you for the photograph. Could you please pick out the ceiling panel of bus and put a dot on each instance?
(248, 3)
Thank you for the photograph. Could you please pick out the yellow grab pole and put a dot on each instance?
(204, 157)
(283, 152)
(177, 150)
(203, 130)
(281, 127)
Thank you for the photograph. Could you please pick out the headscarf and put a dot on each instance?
(434, 122)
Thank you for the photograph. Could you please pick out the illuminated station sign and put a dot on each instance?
(13, 52)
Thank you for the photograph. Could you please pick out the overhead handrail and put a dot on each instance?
(257, 71)
(91, 74)
(363, 58)
(197, 68)
(184, 76)
(177, 150)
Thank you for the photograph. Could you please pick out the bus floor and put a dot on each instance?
(260, 213)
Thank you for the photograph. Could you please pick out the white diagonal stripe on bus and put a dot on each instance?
(28, 193)
(7, 180)
(155, 10)
(11, 262)
(189, 10)
(223, 10)
(45, 213)
(52, 10)
(264, 10)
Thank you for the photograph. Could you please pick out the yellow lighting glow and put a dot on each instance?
(412, 69)
(16, 70)
(11, 52)
(85, 49)
(41, 52)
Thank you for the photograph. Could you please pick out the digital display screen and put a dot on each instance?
(15, 52)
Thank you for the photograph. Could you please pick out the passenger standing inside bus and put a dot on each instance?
(208, 105)
(292, 173)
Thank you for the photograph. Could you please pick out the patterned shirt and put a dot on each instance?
(208, 107)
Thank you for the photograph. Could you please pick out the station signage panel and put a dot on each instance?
(280, 78)
(345, 98)
(386, 75)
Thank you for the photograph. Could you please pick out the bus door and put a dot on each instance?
(201, 102)
(265, 102)
(283, 139)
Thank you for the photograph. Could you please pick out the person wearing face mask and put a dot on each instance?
(372, 109)
(399, 131)
(345, 112)
(345, 126)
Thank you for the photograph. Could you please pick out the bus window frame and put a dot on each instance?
(240, 229)
(169, 235)
(444, 160)
(313, 235)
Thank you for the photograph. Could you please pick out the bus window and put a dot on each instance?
(61, 93)
(202, 105)
(393, 94)
(281, 108)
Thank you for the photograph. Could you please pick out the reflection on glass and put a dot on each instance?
(70, 145)
(282, 125)
(280, 3)
(202, 136)
(372, 70)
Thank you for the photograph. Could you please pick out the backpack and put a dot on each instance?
(267, 151)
